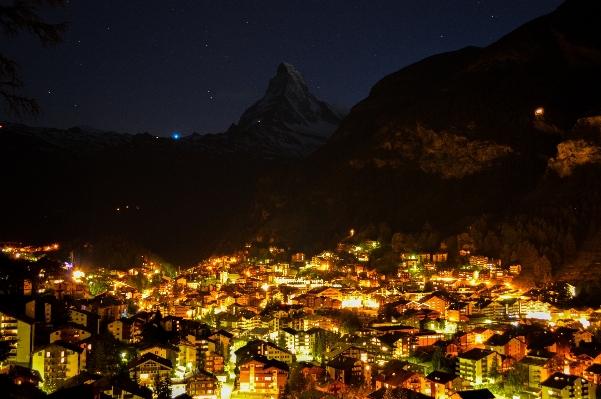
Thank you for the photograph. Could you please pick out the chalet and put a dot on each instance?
(116, 387)
(148, 367)
(328, 292)
(315, 394)
(211, 362)
(223, 338)
(346, 370)
(313, 372)
(478, 336)
(456, 311)
(263, 348)
(448, 348)
(346, 349)
(70, 332)
(560, 385)
(593, 374)
(333, 388)
(171, 323)
(315, 321)
(20, 375)
(400, 344)
(298, 342)
(165, 351)
(203, 385)
(506, 345)
(443, 385)
(582, 336)
(438, 301)
(401, 379)
(261, 375)
(43, 310)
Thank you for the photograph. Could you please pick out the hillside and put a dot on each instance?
(447, 139)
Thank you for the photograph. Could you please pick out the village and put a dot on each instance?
(248, 326)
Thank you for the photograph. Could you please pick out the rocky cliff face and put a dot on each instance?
(574, 153)
(583, 147)
(446, 154)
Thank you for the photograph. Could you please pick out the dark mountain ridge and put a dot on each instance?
(448, 138)
(177, 197)
(501, 130)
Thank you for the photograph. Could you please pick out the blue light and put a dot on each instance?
(175, 136)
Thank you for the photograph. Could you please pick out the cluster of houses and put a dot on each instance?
(232, 325)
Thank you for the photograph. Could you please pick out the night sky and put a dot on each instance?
(194, 66)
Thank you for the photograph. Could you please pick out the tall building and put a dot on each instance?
(19, 330)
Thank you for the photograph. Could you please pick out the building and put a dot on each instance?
(20, 375)
(506, 345)
(263, 348)
(187, 355)
(85, 318)
(443, 385)
(211, 362)
(347, 370)
(476, 363)
(407, 379)
(122, 388)
(262, 375)
(19, 330)
(124, 329)
(107, 307)
(148, 367)
(479, 261)
(41, 309)
(71, 289)
(439, 257)
(565, 386)
(58, 360)
(203, 385)
(165, 351)
(540, 365)
(438, 301)
(70, 332)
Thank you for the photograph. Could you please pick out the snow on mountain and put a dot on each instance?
(78, 140)
(289, 116)
(287, 122)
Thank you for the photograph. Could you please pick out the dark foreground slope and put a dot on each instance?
(448, 138)
(172, 198)
(176, 197)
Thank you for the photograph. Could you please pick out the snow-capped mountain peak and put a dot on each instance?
(290, 116)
